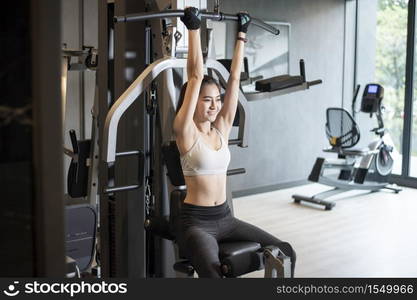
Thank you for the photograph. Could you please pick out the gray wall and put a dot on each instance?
(287, 133)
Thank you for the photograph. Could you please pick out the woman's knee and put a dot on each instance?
(203, 254)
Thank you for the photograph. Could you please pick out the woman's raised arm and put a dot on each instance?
(184, 119)
(224, 120)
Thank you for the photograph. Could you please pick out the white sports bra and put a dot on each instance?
(201, 159)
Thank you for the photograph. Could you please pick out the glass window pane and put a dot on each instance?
(381, 58)
(391, 51)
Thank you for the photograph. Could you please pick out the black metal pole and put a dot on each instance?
(409, 82)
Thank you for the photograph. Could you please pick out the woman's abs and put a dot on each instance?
(206, 190)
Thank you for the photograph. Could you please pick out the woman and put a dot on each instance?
(202, 127)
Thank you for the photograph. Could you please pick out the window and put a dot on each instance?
(385, 55)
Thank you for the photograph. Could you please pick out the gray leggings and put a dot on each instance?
(199, 229)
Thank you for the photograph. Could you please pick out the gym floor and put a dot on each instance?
(365, 235)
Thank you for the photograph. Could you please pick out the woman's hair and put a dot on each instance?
(206, 80)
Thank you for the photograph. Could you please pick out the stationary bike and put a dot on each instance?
(360, 169)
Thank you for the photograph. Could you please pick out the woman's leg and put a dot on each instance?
(202, 250)
(237, 230)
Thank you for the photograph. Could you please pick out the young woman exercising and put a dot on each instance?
(202, 127)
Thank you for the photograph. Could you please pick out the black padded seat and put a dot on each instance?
(236, 248)
(227, 251)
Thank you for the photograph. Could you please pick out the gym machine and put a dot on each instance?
(231, 255)
(360, 169)
(143, 218)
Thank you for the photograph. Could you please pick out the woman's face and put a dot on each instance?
(209, 103)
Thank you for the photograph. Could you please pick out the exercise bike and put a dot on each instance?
(360, 169)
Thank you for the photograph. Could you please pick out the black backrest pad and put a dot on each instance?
(341, 125)
(177, 199)
(171, 158)
(77, 179)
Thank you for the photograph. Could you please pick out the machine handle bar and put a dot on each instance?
(179, 13)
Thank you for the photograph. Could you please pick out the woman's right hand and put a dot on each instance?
(244, 20)
(191, 18)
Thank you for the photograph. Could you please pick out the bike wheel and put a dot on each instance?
(384, 161)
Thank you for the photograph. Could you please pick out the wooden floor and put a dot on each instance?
(370, 235)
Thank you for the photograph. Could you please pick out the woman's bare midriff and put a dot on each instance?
(206, 190)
